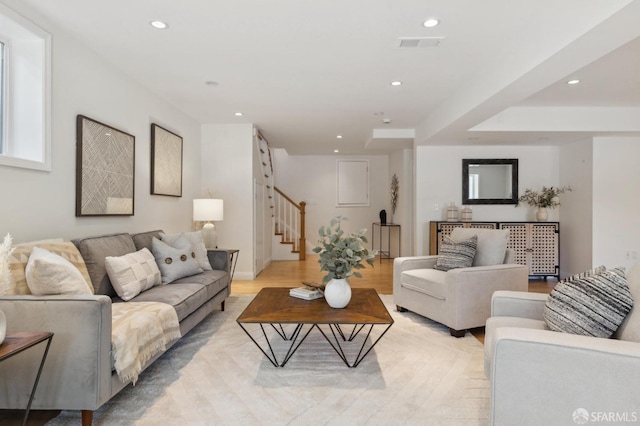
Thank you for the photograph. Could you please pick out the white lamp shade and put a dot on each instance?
(208, 209)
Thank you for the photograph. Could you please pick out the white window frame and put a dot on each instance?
(3, 94)
(474, 186)
(27, 95)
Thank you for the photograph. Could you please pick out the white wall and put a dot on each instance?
(263, 203)
(401, 163)
(42, 204)
(576, 233)
(313, 179)
(439, 182)
(616, 184)
(227, 173)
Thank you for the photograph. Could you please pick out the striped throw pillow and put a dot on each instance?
(595, 271)
(593, 305)
(456, 254)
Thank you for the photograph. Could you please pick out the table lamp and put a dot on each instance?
(208, 210)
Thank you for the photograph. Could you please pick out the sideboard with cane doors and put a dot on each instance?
(535, 244)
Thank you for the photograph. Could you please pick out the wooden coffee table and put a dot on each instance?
(273, 307)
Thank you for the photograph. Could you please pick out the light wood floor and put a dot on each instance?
(291, 273)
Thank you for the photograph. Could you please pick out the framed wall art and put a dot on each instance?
(104, 169)
(166, 162)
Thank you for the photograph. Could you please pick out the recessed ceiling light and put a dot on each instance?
(159, 25)
(335, 150)
(430, 23)
(339, 137)
(211, 83)
(238, 114)
(396, 83)
(572, 82)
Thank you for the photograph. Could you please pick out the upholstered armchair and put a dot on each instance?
(545, 377)
(459, 298)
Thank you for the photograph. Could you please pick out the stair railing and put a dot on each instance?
(290, 222)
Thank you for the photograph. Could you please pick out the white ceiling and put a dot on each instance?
(306, 71)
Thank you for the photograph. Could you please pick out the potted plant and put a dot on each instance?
(547, 198)
(341, 255)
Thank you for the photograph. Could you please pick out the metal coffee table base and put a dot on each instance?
(338, 336)
(336, 339)
(295, 343)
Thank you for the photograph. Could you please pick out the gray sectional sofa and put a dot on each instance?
(79, 373)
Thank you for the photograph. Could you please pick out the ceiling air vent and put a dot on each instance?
(419, 42)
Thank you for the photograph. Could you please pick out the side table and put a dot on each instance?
(233, 259)
(384, 253)
(234, 253)
(14, 343)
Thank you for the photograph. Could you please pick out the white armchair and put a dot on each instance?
(539, 376)
(459, 298)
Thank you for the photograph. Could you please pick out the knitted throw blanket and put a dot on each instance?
(140, 330)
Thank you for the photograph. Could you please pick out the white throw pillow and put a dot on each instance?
(49, 273)
(132, 273)
(5, 273)
(20, 257)
(197, 244)
(175, 261)
(492, 244)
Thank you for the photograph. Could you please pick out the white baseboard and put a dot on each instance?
(248, 276)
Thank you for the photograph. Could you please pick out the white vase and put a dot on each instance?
(466, 214)
(337, 293)
(542, 214)
(3, 326)
(452, 213)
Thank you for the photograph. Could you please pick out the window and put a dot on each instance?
(473, 186)
(2, 119)
(25, 92)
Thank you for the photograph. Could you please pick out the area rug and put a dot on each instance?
(416, 375)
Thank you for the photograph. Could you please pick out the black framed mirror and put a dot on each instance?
(490, 181)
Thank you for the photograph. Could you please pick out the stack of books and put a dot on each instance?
(305, 293)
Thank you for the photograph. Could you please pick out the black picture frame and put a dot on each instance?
(105, 169)
(467, 163)
(166, 162)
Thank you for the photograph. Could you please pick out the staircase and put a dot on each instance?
(289, 225)
(288, 222)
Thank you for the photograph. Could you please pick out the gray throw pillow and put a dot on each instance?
(592, 305)
(197, 244)
(175, 261)
(456, 254)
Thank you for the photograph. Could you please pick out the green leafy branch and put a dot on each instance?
(341, 254)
